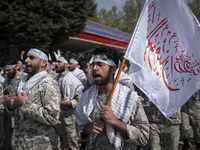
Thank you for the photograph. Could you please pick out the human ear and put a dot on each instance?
(43, 63)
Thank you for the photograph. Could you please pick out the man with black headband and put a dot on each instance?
(9, 86)
(36, 105)
(71, 89)
(124, 124)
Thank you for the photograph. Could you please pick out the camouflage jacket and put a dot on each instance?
(154, 115)
(137, 128)
(71, 90)
(52, 73)
(42, 112)
(10, 85)
(192, 106)
(1, 118)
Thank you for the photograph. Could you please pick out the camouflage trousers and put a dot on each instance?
(2, 132)
(9, 140)
(187, 122)
(68, 136)
(163, 136)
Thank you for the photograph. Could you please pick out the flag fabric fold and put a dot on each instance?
(165, 54)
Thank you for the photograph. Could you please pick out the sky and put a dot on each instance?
(107, 4)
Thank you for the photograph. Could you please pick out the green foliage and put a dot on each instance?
(111, 18)
(131, 12)
(195, 7)
(123, 20)
(126, 19)
(32, 22)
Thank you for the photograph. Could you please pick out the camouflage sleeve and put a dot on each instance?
(1, 99)
(77, 96)
(48, 112)
(2, 115)
(138, 126)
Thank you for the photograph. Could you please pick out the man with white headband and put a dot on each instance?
(71, 89)
(9, 86)
(36, 105)
(49, 70)
(19, 64)
(73, 66)
(124, 124)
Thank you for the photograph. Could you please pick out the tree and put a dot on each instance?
(123, 20)
(109, 18)
(131, 12)
(44, 23)
(195, 8)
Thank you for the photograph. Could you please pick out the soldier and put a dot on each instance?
(19, 64)
(71, 89)
(73, 66)
(164, 132)
(9, 86)
(88, 72)
(36, 106)
(124, 125)
(190, 115)
(2, 133)
(49, 70)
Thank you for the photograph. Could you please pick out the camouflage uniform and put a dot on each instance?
(137, 128)
(41, 111)
(190, 113)
(1, 118)
(9, 86)
(52, 73)
(68, 134)
(164, 132)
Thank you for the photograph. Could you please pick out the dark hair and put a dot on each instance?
(83, 65)
(8, 61)
(110, 52)
(74, 57)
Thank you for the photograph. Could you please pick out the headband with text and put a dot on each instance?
(62, 60)
(38, 53)
(104, 59)
(72, 61)
(8, 67)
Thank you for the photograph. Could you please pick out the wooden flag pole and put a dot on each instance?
(115, 83)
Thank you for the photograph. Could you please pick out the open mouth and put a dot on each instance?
(28, 66)
(96, 77)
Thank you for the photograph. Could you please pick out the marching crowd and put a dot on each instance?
(49, 105)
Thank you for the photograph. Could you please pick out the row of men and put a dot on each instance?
(44, 107)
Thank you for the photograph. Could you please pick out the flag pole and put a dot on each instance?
(115, 83)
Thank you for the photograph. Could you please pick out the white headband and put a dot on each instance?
(8, 67)
(104, 59)
(72, 61)
(62, 59)
(38, 53)
(19, 62)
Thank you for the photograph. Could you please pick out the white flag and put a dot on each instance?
(165, 50)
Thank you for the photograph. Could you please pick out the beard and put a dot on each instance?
(61, 69)
(106, 80)
(34, 69)
(12, 75)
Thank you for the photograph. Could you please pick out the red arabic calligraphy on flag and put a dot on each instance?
(166, 46)
(162, 52)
